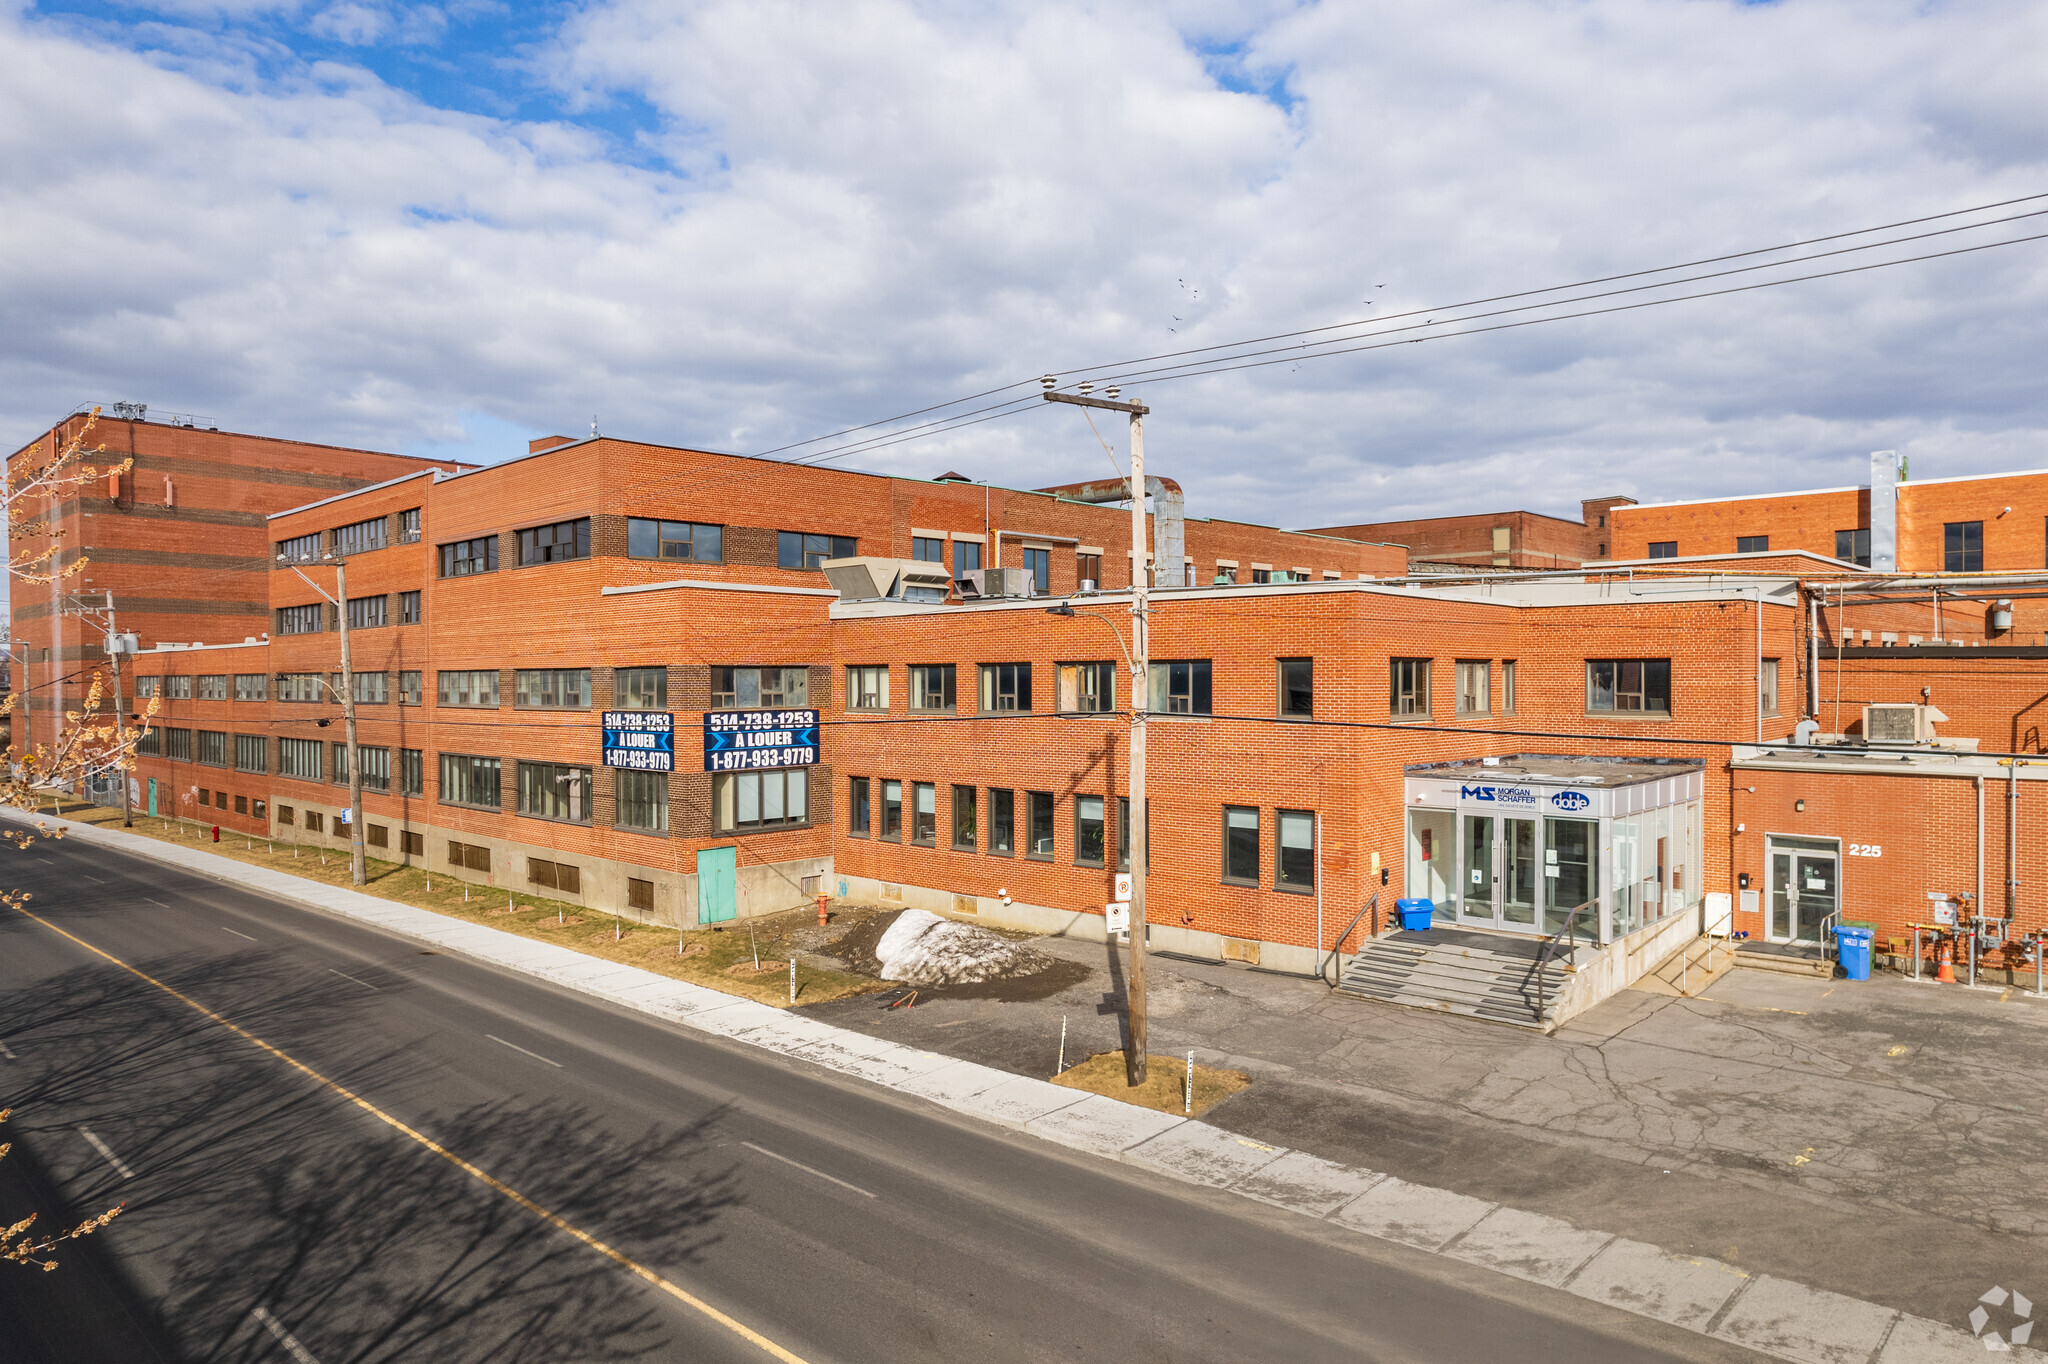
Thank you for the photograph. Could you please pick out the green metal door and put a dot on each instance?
(718, 896)
(152, 795)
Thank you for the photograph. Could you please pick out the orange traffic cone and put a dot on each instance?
(1944, 962)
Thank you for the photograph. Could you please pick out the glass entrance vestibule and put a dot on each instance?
(1535, 842)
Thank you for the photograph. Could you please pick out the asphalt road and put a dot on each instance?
(272, 1217)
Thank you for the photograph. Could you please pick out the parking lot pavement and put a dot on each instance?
(1881, 1139)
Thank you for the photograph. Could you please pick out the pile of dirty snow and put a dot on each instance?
(920, 948)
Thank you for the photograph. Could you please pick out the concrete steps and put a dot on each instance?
(1458, 976)
(1784, 960)
(1688, 972)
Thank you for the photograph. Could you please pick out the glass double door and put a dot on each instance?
(1805, 890)
(1527, 875)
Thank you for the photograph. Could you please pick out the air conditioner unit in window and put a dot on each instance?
(1900, 724)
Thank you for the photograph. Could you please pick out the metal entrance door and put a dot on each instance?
(152, 795)
(1500, 872)
(717, 885)
(1478, 872)
(1804, 893)
(1521, 875)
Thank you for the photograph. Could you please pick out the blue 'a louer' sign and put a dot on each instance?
(746, 740)
(640, 740)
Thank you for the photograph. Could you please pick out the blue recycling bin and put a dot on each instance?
(1415, 914)
(1853, 946)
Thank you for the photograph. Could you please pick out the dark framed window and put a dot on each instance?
(1038, 832)
(376, 764)
(360, 537)
(1295, 867)
(1005, 686)
(299, 758)
(299, 620)
(251, 686)
(1663, 549)
(555, 791)
(300, 549)
(476, 687)
(1752, 544)
(369, 689)
(469, 780)
(761, 800)
(1261, 575)
(1038, 563)
(892, 811)
(931, 686)
(409, 608)
(213, 687)
(965, 831)
(1297, 688)
(640, 689)
(1123, 834)
(252, 753)
(1475, 687)
(1629, 685)
(966, 557)
(689, 541)
(1002, 821)
(412, 775)
(146, 687)
(1853, 546)
(299, 687)
(409, 526)
(867, 687)
(1180, 687)
(553, 544)
(1407, 686)
(759, 688)
(1962, 547)
(1090, 831)
(924, 814)
(858, 815)
(928, 550)
(1507, 686)
(410, 692)
(795, 549)
(1088, 569)
(461, 558)
(552, 689)
(178, 688)
(1087, 688)
(1241, 844)
(642, 801)
(1767, 686)
(212, 748)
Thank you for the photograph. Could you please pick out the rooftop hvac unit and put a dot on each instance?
(868, 578)
(1900, 724)
(998, 582)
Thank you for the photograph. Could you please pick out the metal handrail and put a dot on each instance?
(1828, 924)
(1323, 966)
(1570, 933)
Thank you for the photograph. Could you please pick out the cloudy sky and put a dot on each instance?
(442, 229)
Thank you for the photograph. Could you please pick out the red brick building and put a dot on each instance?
(1516, 539)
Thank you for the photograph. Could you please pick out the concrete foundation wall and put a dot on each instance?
(1628, 961)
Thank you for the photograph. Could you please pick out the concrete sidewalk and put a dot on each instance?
(1336, 1169)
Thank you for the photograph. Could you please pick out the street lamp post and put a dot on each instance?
(1137, 656)
(346, 693)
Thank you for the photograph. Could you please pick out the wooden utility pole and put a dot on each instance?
(357, 870)
(1141, 702)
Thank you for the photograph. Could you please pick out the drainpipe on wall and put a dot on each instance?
(1884, 511)
(2012, 840)
(1812, 656)
(1979, 779)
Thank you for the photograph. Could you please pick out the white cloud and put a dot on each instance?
(855, 210)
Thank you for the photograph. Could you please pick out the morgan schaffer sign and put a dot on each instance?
(640, 740)
(742, 740)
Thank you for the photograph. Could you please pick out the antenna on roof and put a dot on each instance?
(593, 423)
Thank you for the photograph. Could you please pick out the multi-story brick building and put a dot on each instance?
(1515, 539)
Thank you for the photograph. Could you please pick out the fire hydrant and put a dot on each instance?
(216, 833)
(822, 901)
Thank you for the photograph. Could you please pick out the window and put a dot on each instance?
(867, 688)
(553, 688)
(1962, 547)
(412, 772)
(759, 800)
(642, 801)
(469, 856)
(1768, 687)
(1408, 686)
(966, 557)
(1262, 575)
(299, 620)
(408, 608)
(684, 540)
(925, 549)
(299, 758)
(1180, 688)
(340, 763)
(284, 814)
(371, 689)
(409, 526)
(1640, 685)
(475, 687)
(964, 830)
(252, 753)
(299, 687)
(793, 549)
(1038, 563)
(554, 876)
(924, 814)
(316, 822)
(931, 686)
(1089, 833)
(1297, 867)
(146, 687)
(409, 690)
(376, 835)
(1853, 546)
(1005, 686)
(1088, 569)
(1226, 573)
(1087, 688)
(1241, 844)
(410, 843)
(1507, 686)
(552, 544)
(892, 811)
(1663, 549)
(1038, 832)
(212, 748)
(639, 894)
(469, 780)
(858, 814)
(462, 558)
(300, 549)
(1297, 688)
(1123, 833)
(213, 687)
(1002, 821)
(640, 688)
(376, 764)
(555, 791)
(251, 686)
(1475, 688)
(359, 536)
(1752, 544)
(178, 688)
(759, 688)
(241, 805)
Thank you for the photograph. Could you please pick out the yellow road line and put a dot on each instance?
(484, 1177)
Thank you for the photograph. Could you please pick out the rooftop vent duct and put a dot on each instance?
(1169, 520)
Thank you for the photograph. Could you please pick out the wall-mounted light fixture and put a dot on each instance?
(1799, 805)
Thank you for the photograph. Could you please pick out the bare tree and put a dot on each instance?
(23, 1249)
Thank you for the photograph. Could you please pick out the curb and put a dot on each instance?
(1772, 1316)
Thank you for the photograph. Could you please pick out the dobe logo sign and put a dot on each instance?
(1571, 800)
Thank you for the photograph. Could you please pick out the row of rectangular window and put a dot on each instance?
(358, 537)
(1962, 546)
(364, 613)
(537, 688)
